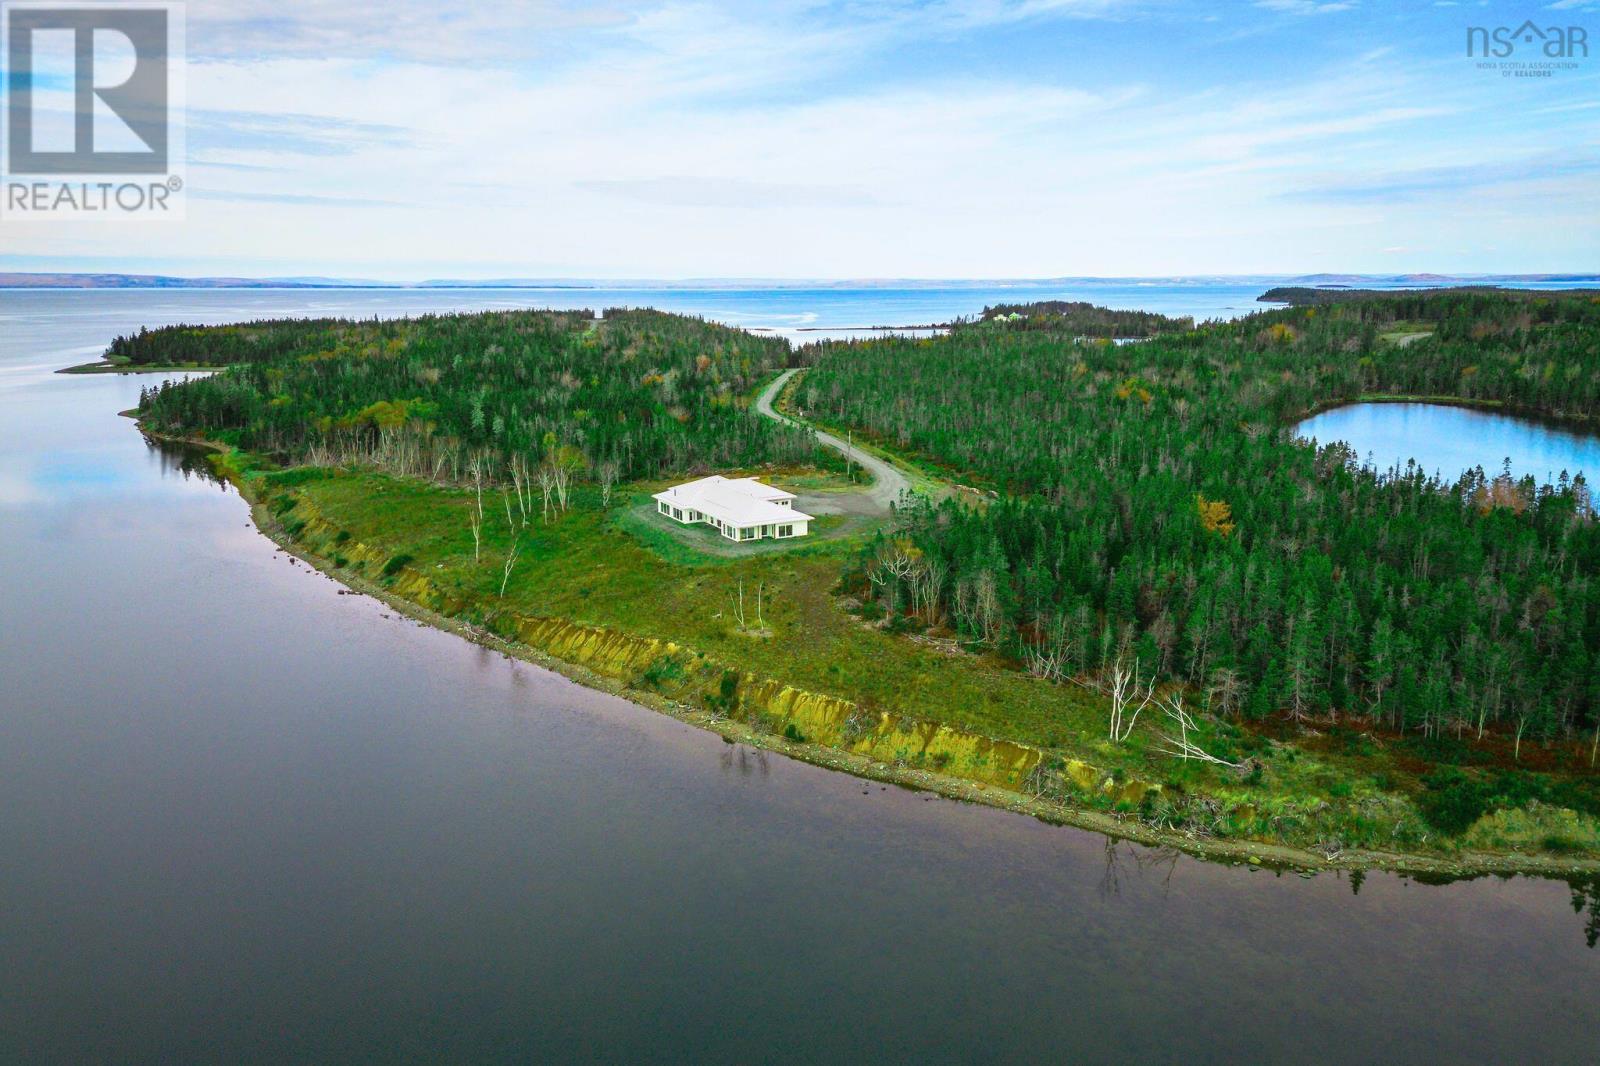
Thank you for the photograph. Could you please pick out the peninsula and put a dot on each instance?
(1100, 582)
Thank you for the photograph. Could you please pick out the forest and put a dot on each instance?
(633, 394)
(1081, 319)
(1150, 511)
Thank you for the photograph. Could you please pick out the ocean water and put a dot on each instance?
(801, 314)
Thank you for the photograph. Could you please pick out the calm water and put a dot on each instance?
(1449, 441)
(243, 816)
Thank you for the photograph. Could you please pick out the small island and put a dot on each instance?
(1098, 582)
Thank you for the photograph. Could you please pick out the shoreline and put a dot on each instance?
(102, 366)
(1237, 852)
(1573, 423)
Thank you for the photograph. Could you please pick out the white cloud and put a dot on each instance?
(1307, 7)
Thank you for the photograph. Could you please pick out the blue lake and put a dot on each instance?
(1449, 441)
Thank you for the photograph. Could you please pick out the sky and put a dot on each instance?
(788, 139)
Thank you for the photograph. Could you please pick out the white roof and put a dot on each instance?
(737, 502)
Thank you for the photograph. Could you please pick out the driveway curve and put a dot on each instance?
(888, 482)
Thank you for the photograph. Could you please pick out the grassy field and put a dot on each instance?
(622, 569)
(616, 569)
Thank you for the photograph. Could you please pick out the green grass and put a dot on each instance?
(595, 568)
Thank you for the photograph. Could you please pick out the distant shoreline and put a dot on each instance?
(103, 366)
(92, 280)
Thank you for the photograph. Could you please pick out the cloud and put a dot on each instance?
(289, 134)
(732, 192)
(297, 199)
(511, 32)
(1427, 182)
(1307, 7)
(485, 31)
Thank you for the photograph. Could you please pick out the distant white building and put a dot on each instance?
(738, 508)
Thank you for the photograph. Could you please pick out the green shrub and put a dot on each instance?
(396, 564)
(1452, 800)
(726, 698)
(1557, 844)
(664, 670)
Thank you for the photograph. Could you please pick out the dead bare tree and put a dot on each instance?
(477, 536)
(477, 481)
(895, 563)
(1225, 690)
(511, 560)
(608, 472)
(986, 605)
(546, 486)
(1181, 746)
(560, 476)
(1051, 656)
(1126, 690)
(522, 484)
(932, 576)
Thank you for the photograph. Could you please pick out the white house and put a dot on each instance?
(739, 508)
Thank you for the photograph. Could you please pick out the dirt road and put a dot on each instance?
(888, 483)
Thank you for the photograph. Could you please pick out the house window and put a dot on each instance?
(677, 514)
(785, 531)
(661, 505)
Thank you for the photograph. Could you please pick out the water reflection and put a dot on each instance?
(1586, 904)
(745, 760)
(187, 462)
(1124, 858)
(1450, 441)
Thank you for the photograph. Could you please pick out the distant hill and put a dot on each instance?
(1428, 280)
(1305, 296)
(63, 280)
(160, 281)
